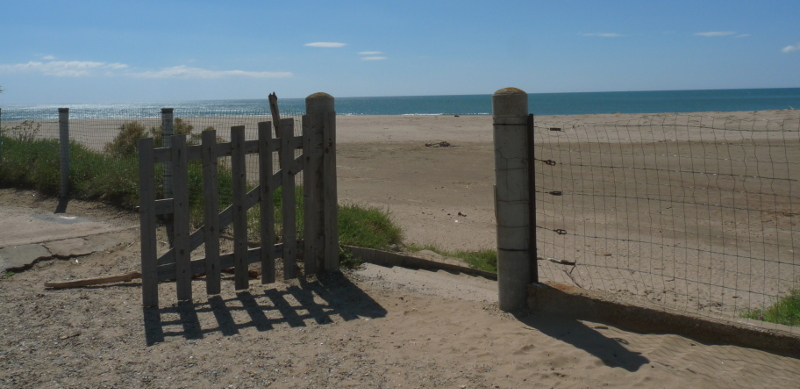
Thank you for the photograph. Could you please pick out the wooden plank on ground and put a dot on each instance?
(241, 280)
(288, 200)
(211, 226)
(330, 194)
(147, 223)
(180, 187)
(267, 209)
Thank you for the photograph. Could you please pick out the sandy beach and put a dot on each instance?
(677, 209)
(391, 327)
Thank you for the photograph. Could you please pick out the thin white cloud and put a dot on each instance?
(372, 58)
(604, 34)
(48, 58)
(790, 48)
(189, 72)
(370, 53)
(62, 68)
(325, 44)
(90, 68)
(715, 33)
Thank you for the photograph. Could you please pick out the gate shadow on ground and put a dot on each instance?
(320, 301)
(569, 330)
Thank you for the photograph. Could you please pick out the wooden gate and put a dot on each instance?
(320, 248)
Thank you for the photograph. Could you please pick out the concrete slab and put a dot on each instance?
(22, 256)
(22, 226)
(104, 242)
(69, 248)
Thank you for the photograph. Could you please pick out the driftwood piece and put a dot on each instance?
(131, 275)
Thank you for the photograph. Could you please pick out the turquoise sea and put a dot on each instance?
(539, 103)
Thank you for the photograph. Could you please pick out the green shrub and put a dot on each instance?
(26, 131)
(126, 142)
(31, 165)
(179, 127)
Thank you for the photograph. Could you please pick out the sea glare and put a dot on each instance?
(539, 104)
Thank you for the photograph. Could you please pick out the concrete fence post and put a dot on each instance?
(510, 122)
(166, 136)
(63, 137)
(320, 109)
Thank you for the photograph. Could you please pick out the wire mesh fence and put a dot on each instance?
(98, 129)
(692, 213)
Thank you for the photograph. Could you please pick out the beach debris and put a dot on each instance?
(555, 129)
(72, 335)
(462, 214)
(126, 277)
(438, 144)
(558, 261)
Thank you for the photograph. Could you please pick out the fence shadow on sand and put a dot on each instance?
(331, 295)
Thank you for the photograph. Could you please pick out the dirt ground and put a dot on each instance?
(370, 328)
(374, 327)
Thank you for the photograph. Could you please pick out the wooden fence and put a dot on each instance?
(320, 248)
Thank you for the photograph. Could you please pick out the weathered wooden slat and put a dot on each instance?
(252, 197)
(211, 227)
(298, 164)
(147, 223)
(163, 206)
(162, 155)
(288, 199)
(312, 220)
(194, 153)
(180, 185)
(224, 149)
(267, 209)
(238, 168)
(330, 194)
(251, 146)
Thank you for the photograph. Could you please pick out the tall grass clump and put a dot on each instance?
(785, 311)
(369, 227)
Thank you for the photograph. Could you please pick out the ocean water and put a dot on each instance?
(539, 103)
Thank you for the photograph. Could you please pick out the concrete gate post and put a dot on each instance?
(320, 109)
(510, 118)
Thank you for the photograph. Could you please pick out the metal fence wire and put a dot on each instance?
(96, 130)
(686, 212)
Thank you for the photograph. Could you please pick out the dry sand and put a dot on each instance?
(689, 211)
(375, 327)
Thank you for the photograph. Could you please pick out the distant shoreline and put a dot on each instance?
(572, 103)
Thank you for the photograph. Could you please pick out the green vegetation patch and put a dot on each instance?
(785, 311)
(485, 259)
(369, 227)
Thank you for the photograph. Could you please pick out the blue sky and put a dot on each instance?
(104, 52)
